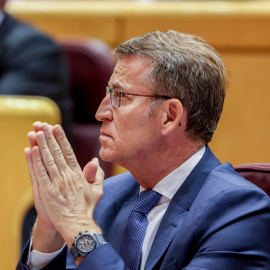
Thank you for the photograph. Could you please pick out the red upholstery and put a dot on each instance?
(91, 65)
(257, 173)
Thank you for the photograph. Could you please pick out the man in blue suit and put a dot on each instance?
(163, 103)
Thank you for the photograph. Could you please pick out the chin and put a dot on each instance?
(106, 155)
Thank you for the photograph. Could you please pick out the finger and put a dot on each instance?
(54, 148)
(34, 182)
(38, 167)
(38, 126)
(33, 179)
(66, 147)
(90, 171)
(28, 157)
(32, 138)
(43, 155)
(32, 135)
(93, 172)
(100, 177)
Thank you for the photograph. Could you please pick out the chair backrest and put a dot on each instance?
(17, 114)
(257, 173)
(91, 64)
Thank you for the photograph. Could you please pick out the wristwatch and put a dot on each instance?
(86, 242)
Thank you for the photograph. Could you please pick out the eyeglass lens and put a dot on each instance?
(115, 97)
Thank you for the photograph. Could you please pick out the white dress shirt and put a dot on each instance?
(167, 187)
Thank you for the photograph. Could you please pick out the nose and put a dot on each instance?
(104, 111)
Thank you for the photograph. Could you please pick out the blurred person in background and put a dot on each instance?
(32, 64)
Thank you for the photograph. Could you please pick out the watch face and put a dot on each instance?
(85, 243)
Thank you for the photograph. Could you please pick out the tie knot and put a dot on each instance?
(145, 202)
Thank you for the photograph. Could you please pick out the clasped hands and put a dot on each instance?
(64, 195)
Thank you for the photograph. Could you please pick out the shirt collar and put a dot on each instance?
(168, 185)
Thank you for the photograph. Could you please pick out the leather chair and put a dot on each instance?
(257, 173)
(91, 64)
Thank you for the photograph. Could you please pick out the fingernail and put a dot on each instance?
(41, 136)
(58, 129)
(46, 128)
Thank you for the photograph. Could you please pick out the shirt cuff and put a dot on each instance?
(37, 260)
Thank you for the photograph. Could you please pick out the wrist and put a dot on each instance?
(46, 240)
(72, 231)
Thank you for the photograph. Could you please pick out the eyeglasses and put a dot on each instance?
(116, 96)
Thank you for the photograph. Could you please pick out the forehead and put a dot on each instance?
(130, 70)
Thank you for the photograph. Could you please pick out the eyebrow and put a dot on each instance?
(116, 84)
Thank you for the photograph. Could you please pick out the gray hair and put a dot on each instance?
(187, 68)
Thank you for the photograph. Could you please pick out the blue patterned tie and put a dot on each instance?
(135, 229)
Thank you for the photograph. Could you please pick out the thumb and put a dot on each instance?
(92, 171)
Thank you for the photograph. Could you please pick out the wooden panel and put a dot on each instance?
(62, 19)
(230, 31)
(239, 30)
(221, 23)
(243, 132)
(59, 26)
(17, 114)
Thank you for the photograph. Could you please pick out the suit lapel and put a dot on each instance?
(179, 207)
(116, 233)
(165, 233)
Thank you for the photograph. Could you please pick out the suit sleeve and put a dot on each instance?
(58, 263)
(233, 232)
(104, 257)
(33, 64)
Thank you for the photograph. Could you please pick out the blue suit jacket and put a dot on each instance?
(216, 220)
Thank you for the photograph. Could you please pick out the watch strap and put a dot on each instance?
(100, 239)
(74, 252)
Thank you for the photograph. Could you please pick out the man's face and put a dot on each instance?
(129, 133)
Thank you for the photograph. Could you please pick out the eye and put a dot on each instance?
(117, 93)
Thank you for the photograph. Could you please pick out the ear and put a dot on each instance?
(172, 116)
